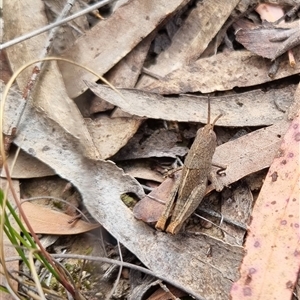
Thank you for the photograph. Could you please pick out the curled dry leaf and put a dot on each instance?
(258, 40)
(260, 108)
(274, 230)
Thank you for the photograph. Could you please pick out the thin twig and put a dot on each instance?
(119, 275)
(124, 264)
(55, 24)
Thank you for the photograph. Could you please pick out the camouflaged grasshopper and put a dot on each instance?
(196, 172)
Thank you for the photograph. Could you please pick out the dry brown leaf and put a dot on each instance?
(192, 37)
(161, 294)
(258, 40)
(107, 42)
(221, 72)
(253, 108)
(273, 235)
(45, 220)
(148, 209)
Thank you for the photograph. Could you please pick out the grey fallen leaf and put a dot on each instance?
(120, 129)
(26, 166)
(101, 183)
(222, 72)
(143, 169)
(255, 108)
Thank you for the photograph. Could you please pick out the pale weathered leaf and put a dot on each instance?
(108, 41)
(253, 108)
(109, 135)
(221, 72)
(50, 94)
(273, 235)
(143, 169)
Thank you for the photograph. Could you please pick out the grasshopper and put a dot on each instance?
(195, 174)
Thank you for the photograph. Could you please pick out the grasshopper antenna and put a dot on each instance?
(208, 110)
(208, 116)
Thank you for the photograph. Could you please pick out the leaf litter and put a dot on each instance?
(203, 264)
